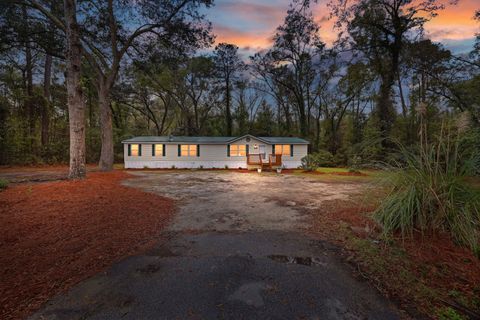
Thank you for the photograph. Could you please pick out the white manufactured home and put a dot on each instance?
(214, 152)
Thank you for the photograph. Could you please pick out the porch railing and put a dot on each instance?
(274, 160)
(254, 159)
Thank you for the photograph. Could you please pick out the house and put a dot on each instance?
(214, 152)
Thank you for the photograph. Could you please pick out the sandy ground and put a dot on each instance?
(231, 201)
(237, 249)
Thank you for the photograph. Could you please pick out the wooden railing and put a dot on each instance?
(254, 159)
(274, 160)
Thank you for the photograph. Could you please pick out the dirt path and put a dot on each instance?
(224, 201)
(237, 250)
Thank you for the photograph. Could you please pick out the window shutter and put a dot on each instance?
(291, 150)
(228, 150)
(198, 150)
(273, 149)
(139, 150)
(153, 150)
(248, 149)
(163, 151)
(179, 150)
(129, 150)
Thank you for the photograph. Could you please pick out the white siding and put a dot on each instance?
(211, 156)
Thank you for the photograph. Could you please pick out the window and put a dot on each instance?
(238, 150)
(134, 150)
(189, 150)
(158, 150)
(283, 149)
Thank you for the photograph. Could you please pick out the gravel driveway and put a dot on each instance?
(236, 250)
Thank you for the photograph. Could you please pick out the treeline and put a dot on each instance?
(134, 68)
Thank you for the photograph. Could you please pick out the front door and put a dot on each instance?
(261, 150)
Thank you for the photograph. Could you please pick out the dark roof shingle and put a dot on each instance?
(212, 140)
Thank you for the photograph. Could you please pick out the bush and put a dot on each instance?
(324, 159)
(318, 159)
(308, 163)
(3, 184)
(429, 192)
(449, 314)
(354, 163)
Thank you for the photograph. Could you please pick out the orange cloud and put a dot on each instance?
(252, 25)
(455, 22)
(243, 38)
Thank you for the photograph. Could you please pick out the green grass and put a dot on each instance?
(3, 184)
(329, 175)
(332, 169)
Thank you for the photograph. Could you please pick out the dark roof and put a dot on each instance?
(213, 140)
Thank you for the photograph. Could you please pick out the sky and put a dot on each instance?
(250, 24)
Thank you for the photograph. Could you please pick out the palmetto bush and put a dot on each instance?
(429, 189)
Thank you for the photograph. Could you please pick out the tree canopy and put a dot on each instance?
(115, 69)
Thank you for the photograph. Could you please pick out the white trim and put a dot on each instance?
(185, 164)
(248, 136)
(130, 164)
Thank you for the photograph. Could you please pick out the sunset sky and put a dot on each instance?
(250, 24)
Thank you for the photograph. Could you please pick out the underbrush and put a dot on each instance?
(3, 184)
(430, 191)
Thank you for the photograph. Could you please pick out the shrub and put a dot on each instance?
(429, 192)
(3, 184)
(449, 314)
(354, 163)
(308, 163)
(318, 159)
(324, 159)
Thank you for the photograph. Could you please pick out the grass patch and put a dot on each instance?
(3, 184)
(332, 170)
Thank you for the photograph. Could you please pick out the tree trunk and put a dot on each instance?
(76, 103)
(46, 93)
(228, 112)
(385, 106)
(29, 82)
(302, 119)
(288, 118)
(402, 98)
(106, 129)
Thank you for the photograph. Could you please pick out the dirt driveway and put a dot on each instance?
(236, 250)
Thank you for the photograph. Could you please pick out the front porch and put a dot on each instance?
(263, 161)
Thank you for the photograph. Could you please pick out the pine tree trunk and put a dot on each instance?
(385, 107)
(76, 103)
(106, 129)
(228, 112)
(29, 86)
(46, 93)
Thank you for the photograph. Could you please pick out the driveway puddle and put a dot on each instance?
(304, 261)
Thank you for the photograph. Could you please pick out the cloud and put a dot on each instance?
(242, 38)
(458, 46)
(249, 15)
(251, 24)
